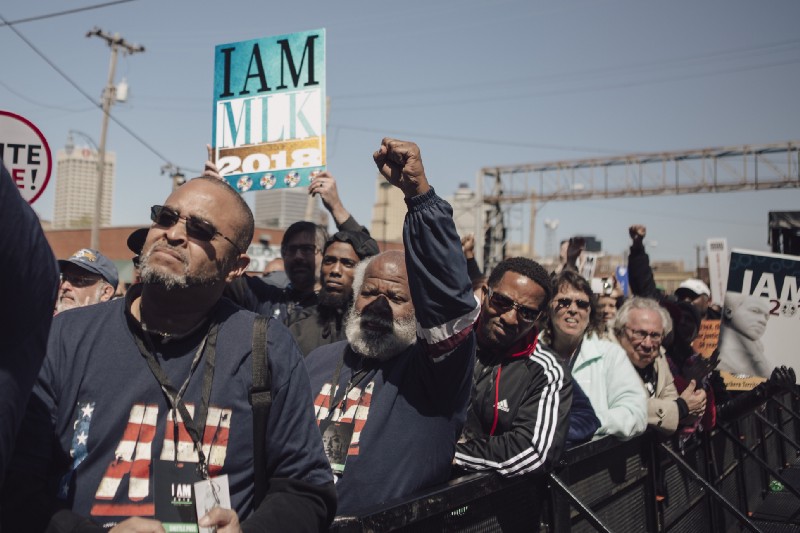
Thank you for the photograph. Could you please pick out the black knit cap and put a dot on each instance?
(362, 243)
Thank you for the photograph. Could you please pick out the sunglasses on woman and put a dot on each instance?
(196, 227)
(566, 302)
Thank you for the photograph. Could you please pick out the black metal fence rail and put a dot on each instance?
(722, 481)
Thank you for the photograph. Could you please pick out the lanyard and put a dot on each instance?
(356, 378)
(175, 397)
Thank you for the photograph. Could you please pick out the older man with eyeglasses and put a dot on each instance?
(640, 326)
(521, 396)
(87, 278)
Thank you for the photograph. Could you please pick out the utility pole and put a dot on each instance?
(116, 43)
(178, 178)
(697, 260)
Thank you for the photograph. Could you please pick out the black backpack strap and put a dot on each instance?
(261, 400)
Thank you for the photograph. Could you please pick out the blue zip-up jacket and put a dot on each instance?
(408, 411)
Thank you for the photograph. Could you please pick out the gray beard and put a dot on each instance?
(379, 345)
(63, 305)
(171, 280)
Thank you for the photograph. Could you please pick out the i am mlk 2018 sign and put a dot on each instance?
(269, 111)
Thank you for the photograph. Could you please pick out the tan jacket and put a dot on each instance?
(662, 410)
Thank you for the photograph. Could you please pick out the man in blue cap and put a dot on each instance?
(87, 278)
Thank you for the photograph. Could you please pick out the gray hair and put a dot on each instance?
(358, 276)
(638, 302)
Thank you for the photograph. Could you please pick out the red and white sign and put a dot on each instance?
(25, 154)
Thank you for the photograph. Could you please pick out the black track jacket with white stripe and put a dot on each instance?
(519, 411)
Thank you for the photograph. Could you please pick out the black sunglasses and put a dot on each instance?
(196, 227)
(503, 303)
(566, 302)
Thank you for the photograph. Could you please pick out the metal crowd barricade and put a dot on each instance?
(722, 481)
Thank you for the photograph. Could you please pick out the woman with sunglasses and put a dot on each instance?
(600, 367)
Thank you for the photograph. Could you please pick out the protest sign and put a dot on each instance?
(588, 264)
(707, 338)
(760, 317)
(717, 253)
(622, 279)
(25, 154)
(269, 111)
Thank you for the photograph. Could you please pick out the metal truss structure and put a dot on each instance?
(510, 193)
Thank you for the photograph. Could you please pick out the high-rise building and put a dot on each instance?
(280, 208)
(388, 213)
(467, 212)
(76, 187)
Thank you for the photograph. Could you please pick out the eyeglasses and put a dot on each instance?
(196, 227)
(565, 303)
(304, 249)
(503, 303)
(78, 281)
(639, 335)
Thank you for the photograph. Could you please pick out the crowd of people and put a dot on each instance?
(354, 379)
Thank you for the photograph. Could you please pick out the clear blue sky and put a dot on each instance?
(462, 78)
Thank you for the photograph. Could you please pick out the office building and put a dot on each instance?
(76, 187)
(388, 212)
(280, 208)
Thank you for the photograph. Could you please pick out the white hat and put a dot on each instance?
(694, 286)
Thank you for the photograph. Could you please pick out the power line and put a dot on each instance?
(558, 92)
(85, 94)
(60, 13)
(40, 104)
(657, 214)
(480, 141)
(696, 60)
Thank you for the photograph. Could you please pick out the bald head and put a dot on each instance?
(381, 322)
(244, 222)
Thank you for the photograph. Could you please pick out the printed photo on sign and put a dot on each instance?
(268, 129)
(760, 323)
(336, 439)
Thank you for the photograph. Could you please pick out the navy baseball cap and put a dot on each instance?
(94, 262)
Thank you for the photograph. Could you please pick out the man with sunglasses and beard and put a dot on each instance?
(323, 323)
(141, 395)
(397, 390)
(521, 395)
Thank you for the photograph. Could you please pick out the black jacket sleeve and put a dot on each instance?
(28, 285)
(583, 422)
(280, 510)
(352, 224)
(473, 269)
(640, 275)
